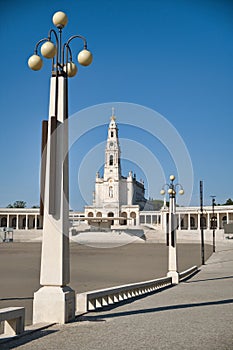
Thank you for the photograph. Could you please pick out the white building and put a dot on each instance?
(122, 199)
(115, 195)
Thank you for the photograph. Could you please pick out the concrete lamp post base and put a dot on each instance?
(54, 304)
(174, 275)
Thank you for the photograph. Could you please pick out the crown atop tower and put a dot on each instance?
(113, 117)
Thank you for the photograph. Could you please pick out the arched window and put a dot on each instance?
(133, 216)
(224, 221)
(4, 222)
(111, 133)
(111, 160)
(13, 222)
(110, 191)
(203, 222)
(192, 222)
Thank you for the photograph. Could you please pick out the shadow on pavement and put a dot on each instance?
(211, 279)
(11, 343)
(95, 318)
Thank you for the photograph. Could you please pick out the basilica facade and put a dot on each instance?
(121, 198)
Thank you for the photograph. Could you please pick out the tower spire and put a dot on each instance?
(113, 114)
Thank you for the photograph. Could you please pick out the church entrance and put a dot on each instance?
(111, 215)
(123, 221)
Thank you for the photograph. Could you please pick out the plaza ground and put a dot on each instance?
(91, 268)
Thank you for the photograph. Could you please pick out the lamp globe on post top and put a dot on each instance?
(60, 19)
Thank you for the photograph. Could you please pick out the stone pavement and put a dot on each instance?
(196, 314)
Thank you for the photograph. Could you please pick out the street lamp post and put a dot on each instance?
(172, 258)
(213, 222)
(55, 300)
(201, 225)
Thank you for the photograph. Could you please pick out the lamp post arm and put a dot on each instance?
(37, 45)
(66, 48)
(164, 186)
(58, 44)
(176, 185)
(52, 31)
(79, 37)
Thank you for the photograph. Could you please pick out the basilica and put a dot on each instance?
(116, 196)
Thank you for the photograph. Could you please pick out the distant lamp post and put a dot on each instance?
(202, 225)
(55, 300)
(213, 222)
(172, 258)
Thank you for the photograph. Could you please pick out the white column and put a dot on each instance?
(188, 221)
(164, 221)
(198, 221)
(130, 189)
(208, 221)
(172, 259)
(35, 226)
(227, 218)
(218, 222)
(26, 224)
(179, 227)
(55, 301)
(17, 221)
(8, 220)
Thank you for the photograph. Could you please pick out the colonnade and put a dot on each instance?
(19, 219)
(187, 218)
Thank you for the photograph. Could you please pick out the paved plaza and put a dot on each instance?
(91, 268)
(196, 314)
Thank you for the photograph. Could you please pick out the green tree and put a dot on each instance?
(17, 204)
(229, 202)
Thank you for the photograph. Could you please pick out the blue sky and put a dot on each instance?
(174, 57)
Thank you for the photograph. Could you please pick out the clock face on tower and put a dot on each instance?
(111, 144)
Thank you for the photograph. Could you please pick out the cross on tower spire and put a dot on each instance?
(113, 114)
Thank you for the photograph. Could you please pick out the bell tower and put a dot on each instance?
(112, 167)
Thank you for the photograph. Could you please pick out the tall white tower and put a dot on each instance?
(116, 195)
(112, 167)
(108, 187)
